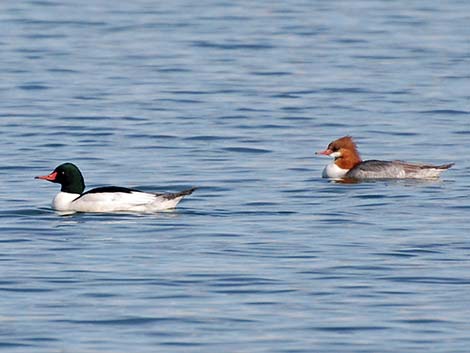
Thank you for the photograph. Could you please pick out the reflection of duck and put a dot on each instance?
(348, 164)
(105, 199)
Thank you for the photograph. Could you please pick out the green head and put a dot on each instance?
(68, 176)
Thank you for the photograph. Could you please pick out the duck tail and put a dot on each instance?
(175, 195)
(445, 166)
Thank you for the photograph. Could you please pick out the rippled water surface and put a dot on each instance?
(234, 98)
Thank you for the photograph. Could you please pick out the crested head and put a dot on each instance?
(344, 151)
(345, 142)
(68, 176)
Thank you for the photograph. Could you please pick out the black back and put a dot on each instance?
(106, 189)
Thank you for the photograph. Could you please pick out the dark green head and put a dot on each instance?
(69, 176)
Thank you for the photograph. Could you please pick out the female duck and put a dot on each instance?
(348, 164)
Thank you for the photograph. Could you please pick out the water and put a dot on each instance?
(235, 97)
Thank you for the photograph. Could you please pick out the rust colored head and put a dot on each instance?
(344, 151)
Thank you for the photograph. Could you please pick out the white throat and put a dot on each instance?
(336, 154)
(63, 200)
(333, 171)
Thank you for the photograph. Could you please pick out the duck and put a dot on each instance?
(72, 197)
(347, 164)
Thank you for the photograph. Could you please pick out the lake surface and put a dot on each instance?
(235, 98)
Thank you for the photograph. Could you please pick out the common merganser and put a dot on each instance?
(71, 197)
(348, 165)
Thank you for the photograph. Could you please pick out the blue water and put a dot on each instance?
(234, 98)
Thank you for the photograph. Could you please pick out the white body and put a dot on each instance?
(134, 201)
